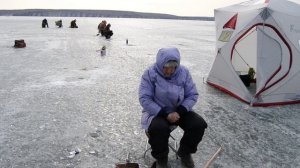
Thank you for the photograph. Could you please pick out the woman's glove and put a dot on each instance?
(181, 110)
(164, 112)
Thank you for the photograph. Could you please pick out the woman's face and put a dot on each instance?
(168, 71)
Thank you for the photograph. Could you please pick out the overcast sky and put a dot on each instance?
(175, 7)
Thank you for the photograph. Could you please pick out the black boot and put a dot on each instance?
(186, 159)
(161, 163)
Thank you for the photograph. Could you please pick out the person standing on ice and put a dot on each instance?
(101, 27)
(167, 94)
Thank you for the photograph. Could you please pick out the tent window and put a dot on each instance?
(225, 35)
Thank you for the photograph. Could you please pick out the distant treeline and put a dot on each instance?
(96, 13)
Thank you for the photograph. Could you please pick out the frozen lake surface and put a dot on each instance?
(58, 95)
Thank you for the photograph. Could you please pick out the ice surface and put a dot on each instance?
(58, 95)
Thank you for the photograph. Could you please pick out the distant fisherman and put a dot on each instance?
(107, 32)
(45, 23)
(58, 23)
(73, 24)
(101, 27)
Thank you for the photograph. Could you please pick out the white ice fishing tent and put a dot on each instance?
(264, 35)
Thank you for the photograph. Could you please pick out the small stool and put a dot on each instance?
(173, 147)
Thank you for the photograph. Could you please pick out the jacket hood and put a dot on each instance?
(163, 56)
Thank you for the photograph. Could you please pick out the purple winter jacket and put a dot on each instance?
(157, 92)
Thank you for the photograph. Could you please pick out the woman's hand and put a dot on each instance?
(173, 117)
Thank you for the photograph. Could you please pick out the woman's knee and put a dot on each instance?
(159, 124)
(201, 123)
(196, 121)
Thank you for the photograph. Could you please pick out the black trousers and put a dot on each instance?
(159, 131)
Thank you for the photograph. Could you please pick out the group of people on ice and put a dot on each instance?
(59, 24)
(103, 27)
